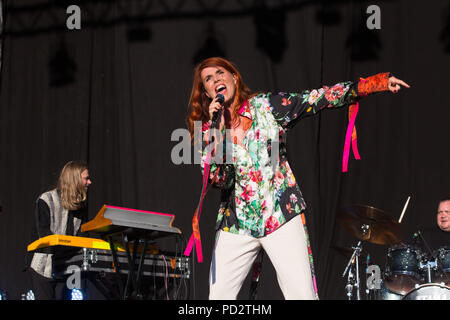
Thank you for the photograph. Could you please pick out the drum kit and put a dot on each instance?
(411, 272)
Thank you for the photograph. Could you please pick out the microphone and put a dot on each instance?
(220, 99)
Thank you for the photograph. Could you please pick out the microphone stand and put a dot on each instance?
(349, 286)
(351, 281)
(367, 268)
(424, 242)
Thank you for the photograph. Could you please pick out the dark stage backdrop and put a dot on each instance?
(113, 92)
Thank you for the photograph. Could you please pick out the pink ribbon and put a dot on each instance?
(195, 237)
(348, 139)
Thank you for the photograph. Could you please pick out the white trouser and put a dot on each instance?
(286, 247)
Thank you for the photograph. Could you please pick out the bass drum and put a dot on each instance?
(429, 291)
(386, 294)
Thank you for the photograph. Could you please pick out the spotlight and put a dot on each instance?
(62, 66)
(270, 26)
(28, 296)
(3, 295)
(364, 44)
(76, 294)
(213, 45)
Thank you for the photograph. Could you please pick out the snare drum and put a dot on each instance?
(402, 272)
(443, 261)
(429, 291)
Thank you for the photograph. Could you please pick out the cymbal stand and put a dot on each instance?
(352, 282)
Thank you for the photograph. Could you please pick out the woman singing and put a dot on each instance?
(261, 204)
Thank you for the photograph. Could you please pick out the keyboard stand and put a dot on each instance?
(116, 265)
(131, 237)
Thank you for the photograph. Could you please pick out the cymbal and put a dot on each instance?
(370, 224)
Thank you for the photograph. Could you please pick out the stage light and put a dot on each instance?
(213, 45)
(3, 295)
(363, 44)
(29, 295)
(76, 294)
(62, 67)
(270, 26)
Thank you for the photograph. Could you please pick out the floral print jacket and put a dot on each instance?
(259, 192)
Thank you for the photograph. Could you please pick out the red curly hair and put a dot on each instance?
(198, 107)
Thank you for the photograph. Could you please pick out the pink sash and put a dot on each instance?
(350, 136)
(195, 237)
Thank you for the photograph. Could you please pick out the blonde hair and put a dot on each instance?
(70, 185)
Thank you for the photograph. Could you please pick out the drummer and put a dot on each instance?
(438, 236)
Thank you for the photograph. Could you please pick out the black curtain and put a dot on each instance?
(113, 92)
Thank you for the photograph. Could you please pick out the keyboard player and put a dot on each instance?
(59, 211)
